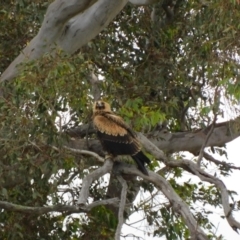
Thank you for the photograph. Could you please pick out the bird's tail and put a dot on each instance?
(141, 159)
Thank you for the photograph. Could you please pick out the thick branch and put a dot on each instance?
(204, 176)
(84, 27)
(68, 24)
(191, 141)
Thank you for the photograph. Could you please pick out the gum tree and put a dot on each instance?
(166, 66)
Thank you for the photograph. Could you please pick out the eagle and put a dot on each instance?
(116, 137)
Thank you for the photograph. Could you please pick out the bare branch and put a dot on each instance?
(192, 141)
(84, 27)
(87, 181)
(204, 176)
(121, 207)
(217, 162)
(55, 208)
(177, 203)
(86, 152)
(216, 100)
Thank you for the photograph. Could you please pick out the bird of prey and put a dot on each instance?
(115, 136)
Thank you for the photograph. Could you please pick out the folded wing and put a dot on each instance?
(118, 139)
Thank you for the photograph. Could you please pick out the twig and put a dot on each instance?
(200, 157)
(217, 162)
(87, 181)
(121, 207)
(86, 152)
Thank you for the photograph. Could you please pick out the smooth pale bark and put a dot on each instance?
(68, 24)
(84, 27)
(192, 141)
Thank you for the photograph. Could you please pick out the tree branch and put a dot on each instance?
(177, 203)
(191, 141)
(58, 13)
(55, 208)
(204, 176)
(84, 27)
(87, 181)
(121, 207)
(85, 152)
(68, 25)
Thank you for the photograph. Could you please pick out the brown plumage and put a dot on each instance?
(115, 136)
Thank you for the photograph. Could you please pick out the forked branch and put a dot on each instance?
(87, 181)
(177, 203)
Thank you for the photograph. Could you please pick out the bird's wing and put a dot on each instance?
(108, 126)
(120, 122)
(114, 136)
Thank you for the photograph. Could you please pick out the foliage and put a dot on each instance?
(153, 72)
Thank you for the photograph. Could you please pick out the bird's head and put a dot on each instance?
(101, 106)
